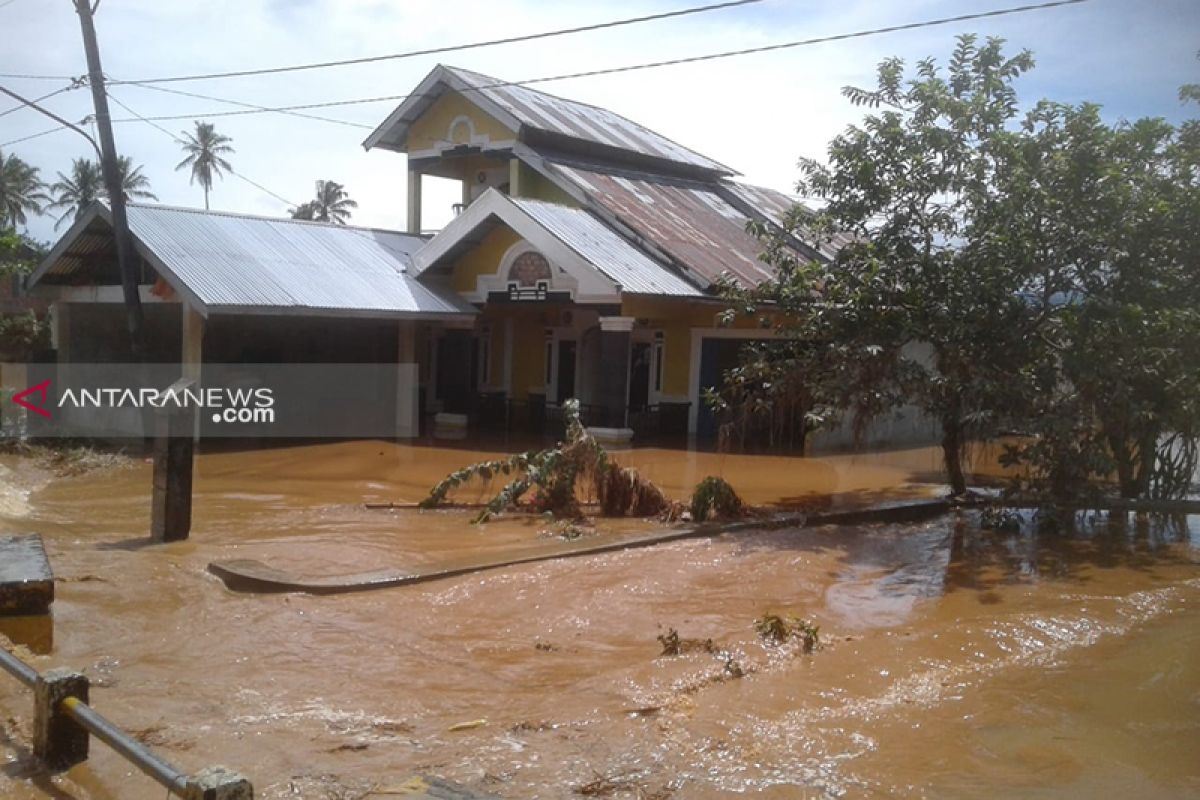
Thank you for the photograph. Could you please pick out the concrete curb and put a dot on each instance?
(248, 575)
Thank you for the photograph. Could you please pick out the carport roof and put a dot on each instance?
(235, 263)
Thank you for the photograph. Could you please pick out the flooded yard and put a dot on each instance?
(954, 661)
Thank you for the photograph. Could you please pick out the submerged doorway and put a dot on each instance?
(564, 372)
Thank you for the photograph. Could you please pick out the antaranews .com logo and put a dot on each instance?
(225, 405)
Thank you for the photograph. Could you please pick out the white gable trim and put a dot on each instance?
(590, 284)
(435, 84)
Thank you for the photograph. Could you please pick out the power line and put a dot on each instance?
(177, 140)
(244, 105)
(75, 84)
(644, 66)
(451, 48)
(34, 136)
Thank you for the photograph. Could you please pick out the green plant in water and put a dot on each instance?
(554, 475)
(777, 630)
(714, 498)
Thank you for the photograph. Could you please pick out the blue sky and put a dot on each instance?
(756, 113)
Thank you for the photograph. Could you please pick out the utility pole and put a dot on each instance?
(112, 182)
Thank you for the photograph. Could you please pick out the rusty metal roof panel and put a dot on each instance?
(689, 220)
(581, 121)
(632, 269)
(775, 205)
(268, 265)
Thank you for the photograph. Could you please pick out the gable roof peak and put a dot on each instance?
(546, 119)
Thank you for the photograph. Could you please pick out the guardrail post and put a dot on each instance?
(57, 740)
(218, 783)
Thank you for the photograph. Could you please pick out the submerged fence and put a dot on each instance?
(63, 723)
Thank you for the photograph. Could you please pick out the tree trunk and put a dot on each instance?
(952, 451)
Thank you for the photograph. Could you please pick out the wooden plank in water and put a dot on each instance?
(26, 582)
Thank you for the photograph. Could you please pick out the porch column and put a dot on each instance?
(60, 330)
(414, 201)
(193, 343)
(612, 381)
(407, 383)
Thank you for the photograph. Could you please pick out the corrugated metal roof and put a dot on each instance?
(775, 205)
(690, 220)
(532, 110)
(267, 265)
(623, 263)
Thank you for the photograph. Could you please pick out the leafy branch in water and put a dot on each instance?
(714, 498)
(777, 630)
(554, 476)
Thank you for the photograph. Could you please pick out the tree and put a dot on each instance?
(75, 192)
(85, 185)
(304, 211)
(205, 151)
(908, 310)
(21, 191)
(134, 184)
(1120, 386)
(332, 204)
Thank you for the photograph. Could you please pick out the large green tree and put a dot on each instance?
(1112, 212)
(908, 310)
(205, 151)
(21, 191)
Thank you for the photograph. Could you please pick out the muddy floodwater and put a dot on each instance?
(954, 661)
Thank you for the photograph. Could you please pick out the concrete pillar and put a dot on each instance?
(60, 330)
(218, 783)
(414, 201)
(192, 356)
(612, 373)
(514, 177)
(58, 742)
(408, 383)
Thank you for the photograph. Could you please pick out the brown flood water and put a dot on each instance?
(956, 662)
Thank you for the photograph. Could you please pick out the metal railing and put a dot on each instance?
(18, 669)
(92, 721)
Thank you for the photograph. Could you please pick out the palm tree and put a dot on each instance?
(304, 211)
(77, 191)
(332, 204)
(85, 185)
(204, 151)
(134, 185)
(21, 191)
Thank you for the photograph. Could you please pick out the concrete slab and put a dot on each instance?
(26, 582)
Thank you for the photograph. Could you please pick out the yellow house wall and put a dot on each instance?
(531, 183)
(483, 259)
(433, 126)
(676, 319)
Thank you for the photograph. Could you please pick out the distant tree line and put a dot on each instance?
(23, 192)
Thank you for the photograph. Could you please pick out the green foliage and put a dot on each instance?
(1105, 217)
(776, 629)
(21, 334)
(1002, 272)
(905, 191)
(674, 645)
(554, 476)
(332, 204)
(714, 498)
(22, 191)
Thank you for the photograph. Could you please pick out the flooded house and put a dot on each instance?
(582, 262)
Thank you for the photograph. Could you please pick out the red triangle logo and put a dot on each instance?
(42, 390)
